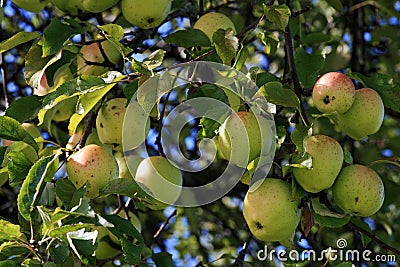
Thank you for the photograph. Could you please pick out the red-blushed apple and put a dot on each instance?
(333, 92)
(93, 164)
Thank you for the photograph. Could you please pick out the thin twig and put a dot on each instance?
(159, 127)
(87, 130)
(239, 262)
(374, 238)
(162, 227)
(3, 75)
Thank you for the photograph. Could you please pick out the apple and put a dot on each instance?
(270, 212)
(95, 6)
(145, 14)
(62, 75)
(232, 140)
(94, 164)
(359, 190)
(209, 23)
(365, 116)
(327, 160)
(104, 250)
(72, 7)
(109, 122)
(333, 92)
(92, 53)
(31, 5)
(123, 161)
(65, 109)
(159, 178)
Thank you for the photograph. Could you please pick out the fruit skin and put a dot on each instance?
(156, 173)
(72, 7)
(92, 53)
(270, 212)
(365, 116)
(104, 250)
(359, 190)
(94, 164)
(209, 23)
(62, 75)
(95, 6)
(31, 5)
(109, 122)
(327, 160)
(145, 14)
(333, 92)
(123, 161)
(230, 133)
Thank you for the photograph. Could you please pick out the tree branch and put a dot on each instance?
(159, 127)
(88, 130)
(3, 75)
(162, 227)
(374, 238)
(239, 262)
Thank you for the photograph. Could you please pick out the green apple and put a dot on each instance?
(123, 161)
(145, 13)
(95, 6)
(104, 250)
(365, 116)
(270, 212)
(359, 190)
(136, 126)
(65, 109)
(209, 23)
(333, 92)
(232, 140)
(161, 179)
(31, 5)
(92, 53)
(327, 160)
(72, 7)
(94, 164)
(109, 122)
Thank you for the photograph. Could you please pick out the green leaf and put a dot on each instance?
(323, 216)
(188, 38)
(336, 4)
(270, 42)
(278, 14)
(347, 157)
(264, 77)
(209, 127)
(59, 251)
(3, 150)
(41, 172)
(115, 31)
(18, 166)
(299, 133)
(276, 94)
(123, 228)
(17, 39)
(308, 67)
(316, 38)
(209, 91)
(10, 231)
(11, 129)
(163, 259)
(226, 44)
(25, 108)
(87, 101)
(241, 58)
(84, 243)
(124, 186)
(154, 60)
(384, 84)
(8, 263)
(130, 89)
(65, 229)
(58, 33)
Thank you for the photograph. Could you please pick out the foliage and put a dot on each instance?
(281, 47)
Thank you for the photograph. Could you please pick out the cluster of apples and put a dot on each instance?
(356, 189)
(144, 14)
